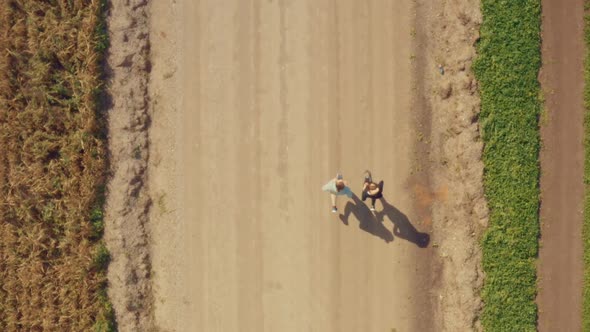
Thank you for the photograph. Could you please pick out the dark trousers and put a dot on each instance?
(374, 197)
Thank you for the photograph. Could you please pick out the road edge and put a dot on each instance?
(452, 157)
(128, 202)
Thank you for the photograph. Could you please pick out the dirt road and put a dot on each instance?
(562, 165)
(272, 99)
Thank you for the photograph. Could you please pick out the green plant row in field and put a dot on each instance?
(52, 167)
(507, 66)
(586, 226)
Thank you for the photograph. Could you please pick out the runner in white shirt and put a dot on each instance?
(337, 186)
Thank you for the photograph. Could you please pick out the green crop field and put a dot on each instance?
(507, 67)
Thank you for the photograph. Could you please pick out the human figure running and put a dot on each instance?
(337, 186)
(371, 189)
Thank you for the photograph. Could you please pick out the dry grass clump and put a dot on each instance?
(52, 167)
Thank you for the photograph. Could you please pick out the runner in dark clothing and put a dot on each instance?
(371, 189)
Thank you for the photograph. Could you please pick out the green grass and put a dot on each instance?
(586, 226)
(507, 66)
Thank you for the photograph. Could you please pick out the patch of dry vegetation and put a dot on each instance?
(52, 167)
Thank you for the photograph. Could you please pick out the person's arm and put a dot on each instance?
(365, 186)
(329, 187)
(347, 191)
(373, 192)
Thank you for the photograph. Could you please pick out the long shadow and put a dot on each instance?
(402, 227)
(367, 220)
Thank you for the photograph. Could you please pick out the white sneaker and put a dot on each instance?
(372, 209)
(334, 210)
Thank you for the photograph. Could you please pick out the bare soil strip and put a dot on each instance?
(562, 163)
(128, 202)
(451, 151)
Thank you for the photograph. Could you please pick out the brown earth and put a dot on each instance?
(276, 97)
(562, 166)
(128, 201)
(253, 106)
(451, 155)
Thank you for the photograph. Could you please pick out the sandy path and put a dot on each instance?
(275, 97)
(562, 165)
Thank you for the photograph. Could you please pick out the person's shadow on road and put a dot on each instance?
(402, 227)
(367, 220)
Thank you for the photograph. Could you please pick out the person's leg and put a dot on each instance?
(333, 197)
(379, 194)
(373, 199)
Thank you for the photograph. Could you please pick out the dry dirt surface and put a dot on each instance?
(128, 201)
(562, 165)
(451, 156)
(272, 99)
(251, 107)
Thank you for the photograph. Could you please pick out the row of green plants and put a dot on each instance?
(507, 66)
(53, 167)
